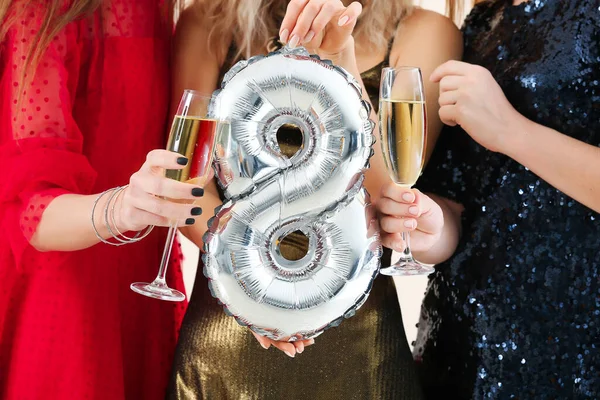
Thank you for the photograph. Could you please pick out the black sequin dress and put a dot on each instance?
(515, 313)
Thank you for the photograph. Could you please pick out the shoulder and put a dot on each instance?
(422, 16)
(196, 23)
(427, 31)
(429, 23)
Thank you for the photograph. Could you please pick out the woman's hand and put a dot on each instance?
(471, 97)
(324, 26)
(289, 348)
(143, 201)
(408, 210)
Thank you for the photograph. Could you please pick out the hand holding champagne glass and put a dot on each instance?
(193, 136)
(402, 125)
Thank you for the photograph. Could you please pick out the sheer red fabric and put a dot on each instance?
(70, 327)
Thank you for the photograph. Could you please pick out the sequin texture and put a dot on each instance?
(515, 313)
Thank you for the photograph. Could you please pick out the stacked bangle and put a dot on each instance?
(109, 219)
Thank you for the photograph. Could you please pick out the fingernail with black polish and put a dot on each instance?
(197, 192)
(190, 221)
(196, 211)
(182, 160)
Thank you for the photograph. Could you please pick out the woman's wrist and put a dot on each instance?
(515, 137)
(107, 223)
(118, 220)
(345, 58)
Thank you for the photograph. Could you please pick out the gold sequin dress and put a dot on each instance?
(366, 357)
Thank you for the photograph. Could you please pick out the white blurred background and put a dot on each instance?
(410, 289)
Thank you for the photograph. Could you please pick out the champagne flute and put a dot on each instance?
(402, 125)
(193, 136)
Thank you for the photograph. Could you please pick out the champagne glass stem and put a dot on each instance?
(162, 271)
(406, 253)
(159, 289)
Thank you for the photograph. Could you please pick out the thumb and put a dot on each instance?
(263, 341)
(429, 219)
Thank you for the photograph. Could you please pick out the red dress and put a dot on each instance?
(70, 327)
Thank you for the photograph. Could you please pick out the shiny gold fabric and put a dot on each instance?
(366, 357)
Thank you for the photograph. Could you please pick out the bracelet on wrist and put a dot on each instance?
(110, 205)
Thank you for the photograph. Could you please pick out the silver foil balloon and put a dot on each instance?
(318, 191)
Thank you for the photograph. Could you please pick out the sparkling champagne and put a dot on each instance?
(194, 139)
(403, 138)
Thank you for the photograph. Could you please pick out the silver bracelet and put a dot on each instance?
(115, 192)
(123, 238)
(94, 222)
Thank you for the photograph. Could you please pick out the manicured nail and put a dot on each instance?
(289, 354)
(408, 197)
(414, 210)
(409, 223)
(299, 350)
(283, 36)
(190, 221)
(311, 341)
(342, 21)
(264, 346)
(309, 36)
(197, 192)
(182, 160)
(294, 41)
(196, 211)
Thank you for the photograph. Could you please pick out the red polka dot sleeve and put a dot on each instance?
(40, 143)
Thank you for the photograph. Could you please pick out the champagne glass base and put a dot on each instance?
(157, 291)
(408, 267)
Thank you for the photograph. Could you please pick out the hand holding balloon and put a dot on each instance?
(323, 26)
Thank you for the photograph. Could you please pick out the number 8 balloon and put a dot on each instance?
(318, 191)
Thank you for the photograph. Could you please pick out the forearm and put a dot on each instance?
(446, 245)
(66, 224)
(569, 165)
(377, 174)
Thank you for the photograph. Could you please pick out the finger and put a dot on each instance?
(173, 211)
(393, 241)
(397, 193)
(164, 187)
(292, 13)
(263, 341)
(393, 208)
(288, 348)
(392, 224)
(431, 218)
(134, 219)
(451, 82)
(165, 159)
(451, 67)
(328, 11)
(299, 346)
(300, 32)
(303, 344)
(448, 98)
(448, 115)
